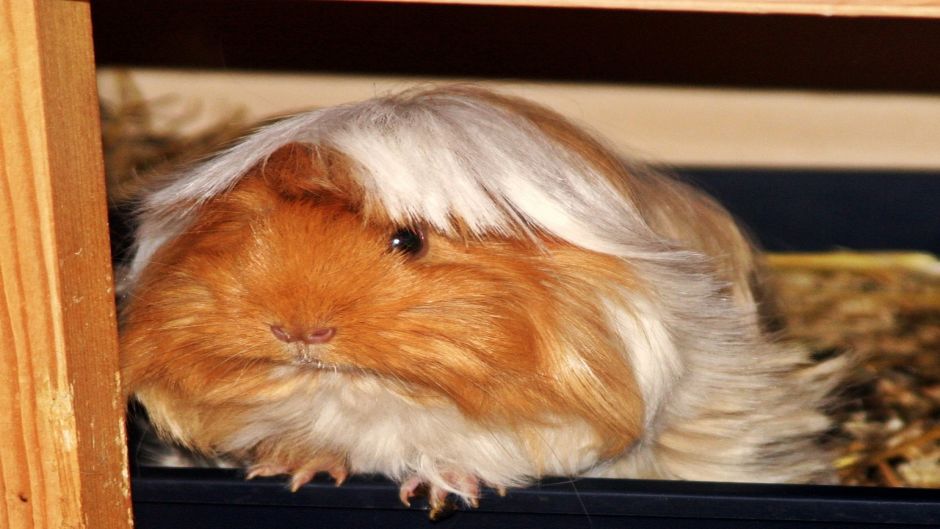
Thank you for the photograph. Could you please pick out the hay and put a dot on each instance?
(886, 309)
(138, 147)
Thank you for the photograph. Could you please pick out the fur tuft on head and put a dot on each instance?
(438, 157)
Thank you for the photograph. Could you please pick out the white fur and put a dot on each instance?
(653, 356)
(381, 431)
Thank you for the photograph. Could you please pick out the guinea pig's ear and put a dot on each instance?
(299, 170)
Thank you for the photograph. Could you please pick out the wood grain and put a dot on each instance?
(882, 8)
(61, 415)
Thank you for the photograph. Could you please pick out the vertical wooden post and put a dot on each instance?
(62, 448)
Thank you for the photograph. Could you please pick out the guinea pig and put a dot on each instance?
(456, 288)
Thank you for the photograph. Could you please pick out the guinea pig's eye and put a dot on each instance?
(407, 241)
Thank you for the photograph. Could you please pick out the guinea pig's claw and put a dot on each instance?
(440, 502)
(339, 475)
(409, 489)
(441, 506)
(302, 474)
(300, 478)
(264, 470)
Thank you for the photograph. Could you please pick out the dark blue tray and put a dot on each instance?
(210, 498)
(825, 210)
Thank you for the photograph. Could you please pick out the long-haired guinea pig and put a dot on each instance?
(457, 289)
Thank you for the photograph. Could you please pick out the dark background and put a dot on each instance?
(511, 42)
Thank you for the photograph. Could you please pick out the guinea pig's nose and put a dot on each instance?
(319, 335)
(313, 336)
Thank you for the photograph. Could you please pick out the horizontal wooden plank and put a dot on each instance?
(878, 8)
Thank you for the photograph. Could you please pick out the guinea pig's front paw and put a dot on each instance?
(302, 473)
(467, 486)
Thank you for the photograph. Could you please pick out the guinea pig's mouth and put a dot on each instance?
(310, 362)
(309, 358)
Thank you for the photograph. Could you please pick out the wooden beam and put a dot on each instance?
(61, 414)
(877, 8)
